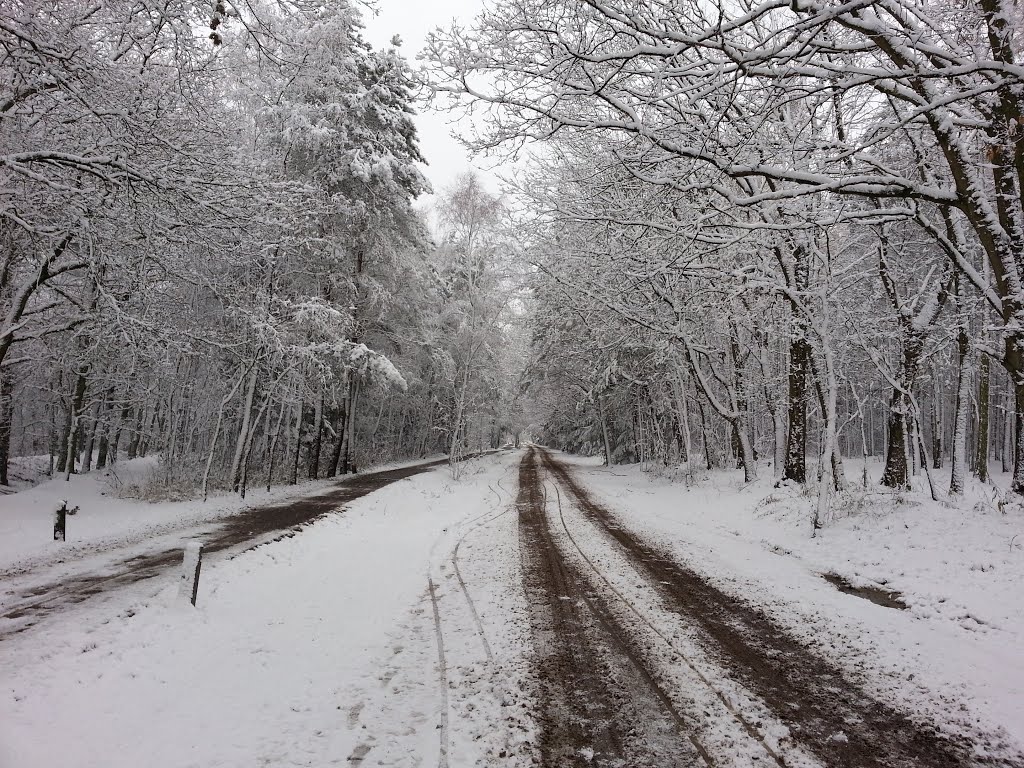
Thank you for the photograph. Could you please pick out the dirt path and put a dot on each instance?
(807, 693)
(600, 706)
(252, 525)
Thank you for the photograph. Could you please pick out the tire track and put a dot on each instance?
(470, 526)
(729, 707)
(807, 693)
(600, 705)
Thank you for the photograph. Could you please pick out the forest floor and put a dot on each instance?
(538, 609)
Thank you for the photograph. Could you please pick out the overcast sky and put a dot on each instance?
(412, 20)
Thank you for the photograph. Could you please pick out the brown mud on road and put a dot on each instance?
(807, 693)
(251, 525)
(599, 705)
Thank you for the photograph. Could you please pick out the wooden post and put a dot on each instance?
(60, 521)
(191, 564)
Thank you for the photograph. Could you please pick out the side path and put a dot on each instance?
(252, 525)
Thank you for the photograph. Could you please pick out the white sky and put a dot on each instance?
(412, 20)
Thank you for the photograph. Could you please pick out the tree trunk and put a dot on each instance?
(795, 468)
(74, 426)
(318, 436)
(243, 430)
(272, 449)
(901, 451)
(340, 426)
(6, 415)
(958, 452)
(704, 435)
(1017, 484)
(608, 460)
(981, 457)
(938, 423)
(348, 451)
(1008, 433)
(299, 414)
(896, 473)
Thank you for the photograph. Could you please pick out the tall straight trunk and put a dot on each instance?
(454, 452)
(864, 452)
(74, 425)
(829, 481)
(6, 416)
(348, 452)
(341, 428)
(684, 415)
(104, 430)
(938, 422)
(748, 458)
(94, 428)
(272, 449)
(216, 433)
(795, 467)
(1008, 433)
(65, 431)
(136, 438)
(981, 446)
(838, 473)
(299, 416)
(704, 436)
(742, 423)
(243, 429)
(53, 442)
(316, 445)
(608, 460)
(958, 451)
(213, 449)
(925, 467)
(1017, 484)
(264, 409)
(126, 413)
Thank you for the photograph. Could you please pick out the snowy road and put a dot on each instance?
(776, 701)
(502, 617)
(43, 594)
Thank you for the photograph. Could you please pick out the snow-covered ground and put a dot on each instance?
(320, 649)
(397, 631)
(954, 655)
(110, 524)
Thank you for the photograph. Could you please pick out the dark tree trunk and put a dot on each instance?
(900, 448)
(6, 415)
(981, 457)
(704, 434)
(299, 418)
(339, 432)
(896, 474)
(316, 445)
(72, 427)
(795, 468)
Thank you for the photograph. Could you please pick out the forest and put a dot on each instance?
(782, 237)
(779, 230)
(210, 251)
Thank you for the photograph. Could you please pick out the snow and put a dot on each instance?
(106, 522)
(110, 519)
(317, 649)
(397, 631)
(953, 656)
